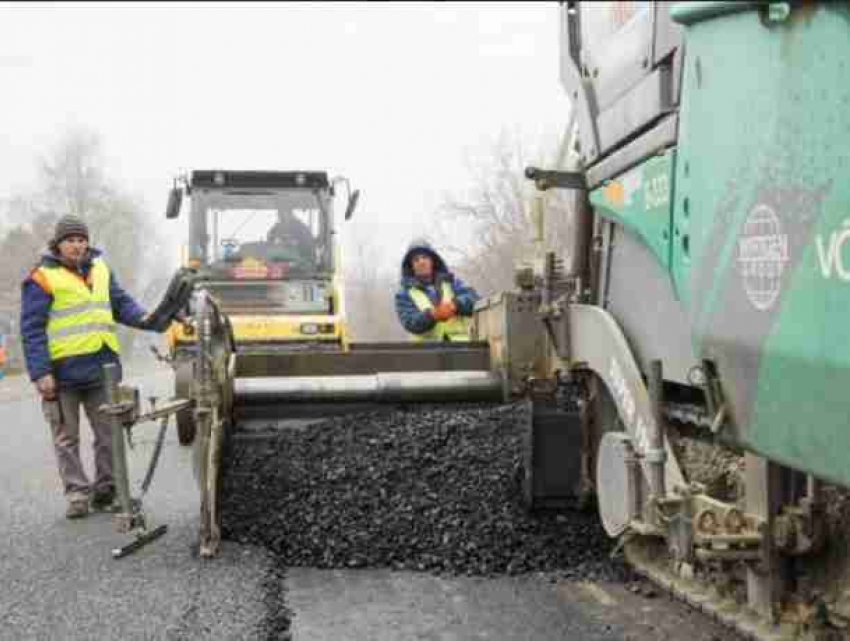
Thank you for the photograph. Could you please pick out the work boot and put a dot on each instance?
(103, 500)
(77, 509)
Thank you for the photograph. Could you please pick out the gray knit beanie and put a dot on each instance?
(70, 226)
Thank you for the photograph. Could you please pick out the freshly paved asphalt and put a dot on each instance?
(58, 579)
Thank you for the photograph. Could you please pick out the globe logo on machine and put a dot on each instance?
(762, 256)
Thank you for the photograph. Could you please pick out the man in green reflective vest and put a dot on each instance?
(432, 304)
(70, 304)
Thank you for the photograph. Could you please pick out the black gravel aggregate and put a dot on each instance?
(433, 489)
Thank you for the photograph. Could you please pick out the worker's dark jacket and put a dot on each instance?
(72, 372)
(412, 319)
(288, 230)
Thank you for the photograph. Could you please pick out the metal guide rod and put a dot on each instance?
(209, 426)
(119, 454)
(655, 454)
(383, 387)
(767, 581)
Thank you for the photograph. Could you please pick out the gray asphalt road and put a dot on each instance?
(59, 580)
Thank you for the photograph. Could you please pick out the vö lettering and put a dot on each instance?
(831, 253)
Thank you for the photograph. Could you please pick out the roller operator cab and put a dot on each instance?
(264, 246)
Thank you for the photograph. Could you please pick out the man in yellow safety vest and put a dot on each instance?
(70, 304)
(432, 304)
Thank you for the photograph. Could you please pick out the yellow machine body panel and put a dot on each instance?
(257, 328)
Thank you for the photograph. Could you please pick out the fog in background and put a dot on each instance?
(408, 100)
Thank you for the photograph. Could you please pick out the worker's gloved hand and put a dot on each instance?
(448, 308)
(438, 314)
(175, 299)
(148, 322)
(187, 322)
(444, 311)
(46, 386)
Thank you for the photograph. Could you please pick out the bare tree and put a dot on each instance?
(21, 244)
(72, 179)
(72, 176)
(488, 230)
(370, 294)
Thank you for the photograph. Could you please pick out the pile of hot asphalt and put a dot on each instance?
(433, 489)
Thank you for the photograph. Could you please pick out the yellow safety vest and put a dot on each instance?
(453, 329)
(80, 320)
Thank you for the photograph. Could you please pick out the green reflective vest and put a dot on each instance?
(80, 320)
(454, 329)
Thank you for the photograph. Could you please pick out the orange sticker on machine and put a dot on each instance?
(615, 193)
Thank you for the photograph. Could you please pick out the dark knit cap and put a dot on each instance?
(70, 226)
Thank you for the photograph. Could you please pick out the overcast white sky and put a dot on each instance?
(394, 96)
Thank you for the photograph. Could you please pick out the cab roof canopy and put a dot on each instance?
(223, 179)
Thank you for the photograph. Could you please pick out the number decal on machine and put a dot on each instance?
(635, 423)
(657, 191)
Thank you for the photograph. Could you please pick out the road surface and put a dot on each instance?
(59, 580)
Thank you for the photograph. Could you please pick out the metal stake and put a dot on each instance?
(765, 581)
(124, 520)
(655, 454)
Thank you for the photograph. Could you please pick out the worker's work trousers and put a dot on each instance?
(64, 420)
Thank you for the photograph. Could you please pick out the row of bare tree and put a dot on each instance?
(484, 232)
